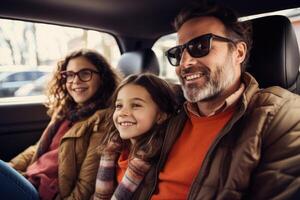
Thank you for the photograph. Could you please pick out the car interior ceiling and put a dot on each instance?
(138, 23)
(133, 21)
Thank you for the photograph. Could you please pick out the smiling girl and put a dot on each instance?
(63, 164)
(143, 104)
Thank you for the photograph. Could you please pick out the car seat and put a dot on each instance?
(274, 59)
(139, 61)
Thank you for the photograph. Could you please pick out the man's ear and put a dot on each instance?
(161, 117)
(241, 51)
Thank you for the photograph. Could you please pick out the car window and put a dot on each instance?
(30, 50)
(164, 43)
(167, 71)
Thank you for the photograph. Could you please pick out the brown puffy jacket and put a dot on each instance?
(256, 155)
(78, 158)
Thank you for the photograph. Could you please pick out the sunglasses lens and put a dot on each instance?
(174, 55)
(199, 47)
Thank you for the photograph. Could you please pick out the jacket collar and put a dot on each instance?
(250, 89)
(79, 128)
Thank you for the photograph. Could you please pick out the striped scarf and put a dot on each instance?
(106, 187)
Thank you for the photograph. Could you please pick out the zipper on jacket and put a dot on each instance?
(164, 155)
(208, 158)
(149, 195)
(155, 181)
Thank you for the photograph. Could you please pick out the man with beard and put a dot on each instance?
(231, 140)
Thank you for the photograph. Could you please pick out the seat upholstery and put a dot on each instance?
(138, 62)
(274, 59)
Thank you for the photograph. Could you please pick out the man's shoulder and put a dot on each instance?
(275, 96)
(276, 93)
(279, 92)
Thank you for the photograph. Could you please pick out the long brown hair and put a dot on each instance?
(59, 98)
(147, 145)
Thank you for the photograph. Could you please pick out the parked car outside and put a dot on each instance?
(10, 81)
(33, 88)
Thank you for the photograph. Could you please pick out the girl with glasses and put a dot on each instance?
(63, 164)
(135, 133)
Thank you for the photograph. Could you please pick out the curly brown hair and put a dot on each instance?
(236, 30)
(147, 145)
(59, 98)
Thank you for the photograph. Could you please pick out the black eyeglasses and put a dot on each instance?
(197, 47)
(83, 75)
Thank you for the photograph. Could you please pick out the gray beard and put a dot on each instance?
(217, 83)
(194, 94)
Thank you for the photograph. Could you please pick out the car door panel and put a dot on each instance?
(20, 126)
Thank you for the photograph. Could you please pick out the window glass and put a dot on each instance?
(167, 71)
(164, 43)
(29, 51)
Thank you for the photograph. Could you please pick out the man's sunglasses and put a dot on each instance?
(197, 47)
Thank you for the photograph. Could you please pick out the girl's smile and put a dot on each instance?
(135, 111)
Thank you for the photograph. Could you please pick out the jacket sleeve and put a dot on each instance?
(85, 185)
(278, 174)
(22, 161)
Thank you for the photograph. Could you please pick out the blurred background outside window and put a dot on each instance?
(29, 52)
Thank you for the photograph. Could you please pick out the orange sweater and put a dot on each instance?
(187, 155)
(122, 165)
